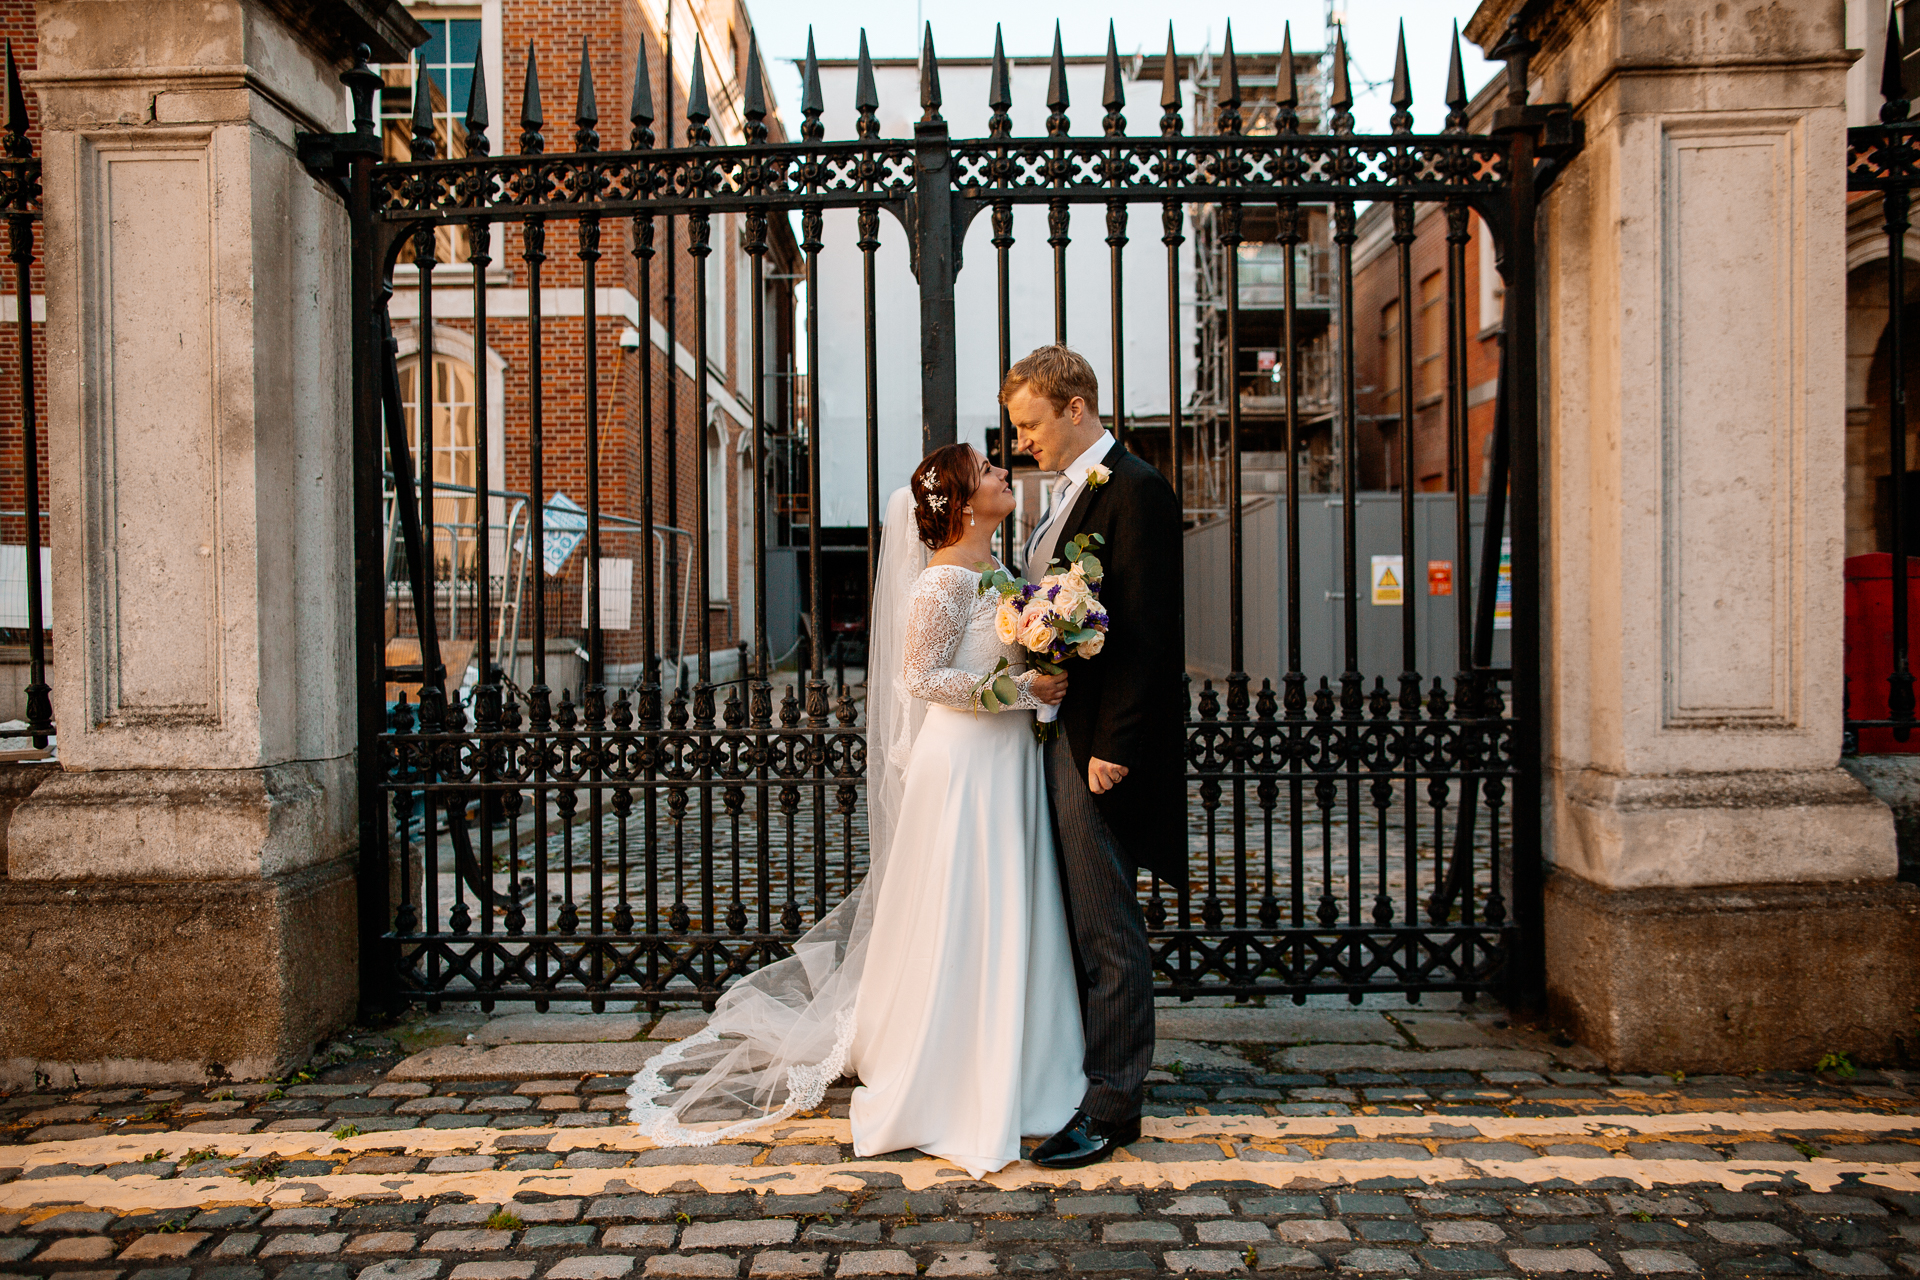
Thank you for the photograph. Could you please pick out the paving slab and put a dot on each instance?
(1285, 1025)
(1366, 1057)
(1189, 1055)
(560, 1028)
(524, 1061)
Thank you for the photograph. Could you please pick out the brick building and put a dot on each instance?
(17, 29)
(1379, 316)
(497, 38)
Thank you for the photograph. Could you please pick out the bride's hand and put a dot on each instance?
(1049, 690)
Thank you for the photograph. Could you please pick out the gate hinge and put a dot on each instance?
(327, 155)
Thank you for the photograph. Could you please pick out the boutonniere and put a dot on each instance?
(1097, 475)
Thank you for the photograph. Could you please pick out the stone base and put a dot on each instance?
(1895, 782)
(1743, 978)
(121, 982)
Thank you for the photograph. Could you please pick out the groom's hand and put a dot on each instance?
(1103, 777)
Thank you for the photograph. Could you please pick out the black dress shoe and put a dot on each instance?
(1085, 1141)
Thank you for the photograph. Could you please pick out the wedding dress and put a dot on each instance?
(945, 979)
(967, 1025)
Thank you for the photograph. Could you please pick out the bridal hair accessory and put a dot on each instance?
(1097, 475)
(929, 481)
(937, 501)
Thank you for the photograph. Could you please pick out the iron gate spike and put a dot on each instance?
(477, 144)
(1402, 96)
(812, 104)
(1456, 87)
(999, 90)
(424, 147)
(1229, 119)
(16, 127)
(755, 96)
(1893, 79)
(640, 110)
(531, 143)
(699, 109)
(929, 80)
(1057, 101)
(1170, 124)
(1114, 91)
(586, 108)
(1289, 89)
(1341, 100)
(866, 97)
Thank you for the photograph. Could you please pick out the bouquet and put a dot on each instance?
(1056, 618)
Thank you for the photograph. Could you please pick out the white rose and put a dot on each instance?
(1006, 622)
(1097, 475)
(1088, 648)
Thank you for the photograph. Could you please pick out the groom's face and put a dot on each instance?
(1052, 437)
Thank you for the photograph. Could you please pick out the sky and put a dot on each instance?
(966, 30)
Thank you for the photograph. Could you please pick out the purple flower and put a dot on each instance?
(1053, 591)
(1097, 618)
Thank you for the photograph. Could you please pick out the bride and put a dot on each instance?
(945, 981)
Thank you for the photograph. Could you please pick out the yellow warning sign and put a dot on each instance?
(1388, 574)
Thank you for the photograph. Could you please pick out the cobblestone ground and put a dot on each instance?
(1437, 1142)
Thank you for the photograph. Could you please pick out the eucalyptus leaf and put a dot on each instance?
(1007, 691)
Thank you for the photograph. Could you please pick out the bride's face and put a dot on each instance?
(992, 497)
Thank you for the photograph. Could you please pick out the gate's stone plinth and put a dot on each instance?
(1723, 894)
(181, 894)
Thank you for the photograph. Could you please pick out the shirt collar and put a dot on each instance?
(1076, 472)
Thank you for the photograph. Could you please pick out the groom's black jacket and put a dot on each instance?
(1127, 705)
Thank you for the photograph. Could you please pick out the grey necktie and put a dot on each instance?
(1046, 536)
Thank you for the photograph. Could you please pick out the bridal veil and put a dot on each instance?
(780, 1036)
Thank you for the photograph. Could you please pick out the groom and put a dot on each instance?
(1116, 775)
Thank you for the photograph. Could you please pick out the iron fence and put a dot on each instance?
(1884, 159)
(1346, 835)
(20, 205)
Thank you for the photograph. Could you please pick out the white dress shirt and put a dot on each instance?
(1067, 490)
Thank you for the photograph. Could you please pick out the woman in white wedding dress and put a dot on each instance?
(945, 982)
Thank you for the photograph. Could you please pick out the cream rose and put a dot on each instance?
(1089, 648)
(1006, 622)
(1097, 475)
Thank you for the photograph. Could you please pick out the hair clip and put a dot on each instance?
(929, 481)
(937, 502)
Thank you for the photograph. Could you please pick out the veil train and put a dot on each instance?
(781, 1035)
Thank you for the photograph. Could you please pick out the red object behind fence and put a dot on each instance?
(1869, 645)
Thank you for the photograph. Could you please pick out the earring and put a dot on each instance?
(970, 520)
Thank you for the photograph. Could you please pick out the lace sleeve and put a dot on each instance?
(936, 622)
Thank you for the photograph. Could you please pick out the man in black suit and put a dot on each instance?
(1116, 775)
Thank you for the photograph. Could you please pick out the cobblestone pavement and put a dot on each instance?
(1444, 1143)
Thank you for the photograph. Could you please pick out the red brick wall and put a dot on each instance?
(17, 26)
(614, 32)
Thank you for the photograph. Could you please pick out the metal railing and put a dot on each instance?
(1347, 837)
(20, 205)
(1884, 158)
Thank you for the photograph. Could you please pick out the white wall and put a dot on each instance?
(841, 396)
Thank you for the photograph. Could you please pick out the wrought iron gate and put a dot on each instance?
(653, 842)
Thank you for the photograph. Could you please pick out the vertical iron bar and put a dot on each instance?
(1117, 244)
(1294, 684)
(1523, 407)
(1900, 695)
(378, 955)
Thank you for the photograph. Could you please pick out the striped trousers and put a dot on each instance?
(1110, 954)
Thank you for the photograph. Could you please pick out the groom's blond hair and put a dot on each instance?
(1057, 372)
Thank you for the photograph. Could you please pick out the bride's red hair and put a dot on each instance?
(942, 485)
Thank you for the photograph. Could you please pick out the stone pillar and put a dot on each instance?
(180, 899)
(1722, 894)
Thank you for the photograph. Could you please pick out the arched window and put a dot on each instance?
(453, 453)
